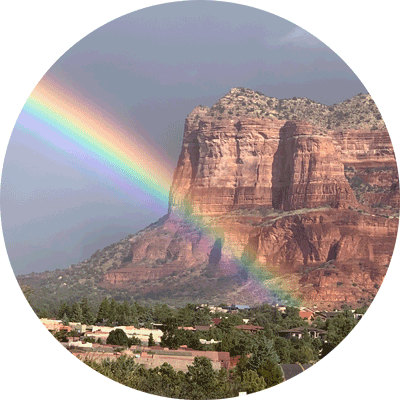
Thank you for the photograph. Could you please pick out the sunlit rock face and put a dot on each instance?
(242, 162)
(336, 247)
(305, 192)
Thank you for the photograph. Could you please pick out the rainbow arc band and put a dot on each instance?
(72, 117)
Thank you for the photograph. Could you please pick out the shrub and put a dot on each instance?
(118, 337)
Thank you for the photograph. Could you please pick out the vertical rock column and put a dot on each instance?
(308, 171)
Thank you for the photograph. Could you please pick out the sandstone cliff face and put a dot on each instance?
(260, 201)
(307, 170)
(320, 236)
(287, 206)
(225, 164)
(231, 163)
(370, 167)
(169, 249)
(364, 147)
(315, 207)
(339, 255)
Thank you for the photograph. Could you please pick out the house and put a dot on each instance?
(324, 315)
(187, 328)
(242, 307)
(51, 324)
(72, 339)
(212, 341)
(238, 307)
(141, 333)
(91, 328)
(202, 328)
(98, 335)
(65, 328)
(80, 344)
(300, 331)
(307, 314)
(214, 309)
(180, 359)
(55, 325)
(151, 357)
(80, 328)
(280, 307)
(249, 328)
(358, 316)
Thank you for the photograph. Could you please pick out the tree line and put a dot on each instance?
(225, 335)
(200, 381)
(259, 354)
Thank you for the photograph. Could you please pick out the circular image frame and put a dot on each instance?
(388, 122)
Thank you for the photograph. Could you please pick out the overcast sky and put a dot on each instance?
(149, 69)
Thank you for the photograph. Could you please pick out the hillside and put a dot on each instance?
(359, 112)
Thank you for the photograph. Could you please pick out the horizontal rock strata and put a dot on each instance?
(231, 163)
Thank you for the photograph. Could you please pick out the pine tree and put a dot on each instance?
(151, 340)
(263, 352)
(104, 310)
(64, 309)
(201, 378)
(251, 382)
(112, 313)
(77, 315)
(272, 373)
(87, 313)
(65, 320)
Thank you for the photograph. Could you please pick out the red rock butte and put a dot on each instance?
(316, 206)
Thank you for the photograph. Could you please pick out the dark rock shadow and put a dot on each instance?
(282, 168)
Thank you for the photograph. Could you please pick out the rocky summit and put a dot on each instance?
(304, 193)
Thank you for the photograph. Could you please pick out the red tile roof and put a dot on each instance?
(306, 314)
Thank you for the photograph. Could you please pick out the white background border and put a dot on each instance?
(35, 34)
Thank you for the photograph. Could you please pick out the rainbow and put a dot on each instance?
(78, 120)
(131, 162)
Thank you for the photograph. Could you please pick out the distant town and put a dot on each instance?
(242, 349)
